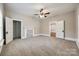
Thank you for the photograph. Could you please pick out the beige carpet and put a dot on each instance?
(40, 46)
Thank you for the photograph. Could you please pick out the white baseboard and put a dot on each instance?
(71, 39)
(66, 38)
(45, 34)
(36, 34)
(41, 34)
(77, 44)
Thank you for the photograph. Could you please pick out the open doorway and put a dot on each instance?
(16, 29)
(57, 29)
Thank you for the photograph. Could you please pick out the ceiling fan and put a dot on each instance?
(43, 13)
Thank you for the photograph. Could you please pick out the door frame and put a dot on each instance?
(50, 27)
(4, 28)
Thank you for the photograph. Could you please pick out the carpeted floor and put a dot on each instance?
(40, 46)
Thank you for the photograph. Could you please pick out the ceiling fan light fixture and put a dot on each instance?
(43, 13)
(41, 16)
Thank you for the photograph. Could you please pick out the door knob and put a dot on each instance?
(6, 32)
(63, 31)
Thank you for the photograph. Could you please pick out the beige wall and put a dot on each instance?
(70, 24)
(28, 21)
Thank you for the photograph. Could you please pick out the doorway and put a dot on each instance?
(57, 29)
(16, 29)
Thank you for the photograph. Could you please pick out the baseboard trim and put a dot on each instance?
(66, 38)
(77, 44)
(71, 39)
(42, 34)
(45, 34)
(36, 34)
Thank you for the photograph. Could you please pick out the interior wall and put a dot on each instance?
(28, 21)
(70, 24)
(1, 21)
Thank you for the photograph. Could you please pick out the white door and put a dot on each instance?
(60, 29)
(9, 30)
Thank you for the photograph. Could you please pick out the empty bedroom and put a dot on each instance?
(39, 29)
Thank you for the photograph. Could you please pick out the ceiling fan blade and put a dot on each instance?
(41, 10)
(36, 14)
(45, 16)
(47, 13)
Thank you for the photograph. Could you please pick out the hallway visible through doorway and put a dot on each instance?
(16, 29)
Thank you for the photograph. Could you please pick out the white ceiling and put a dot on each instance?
(32, 8)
